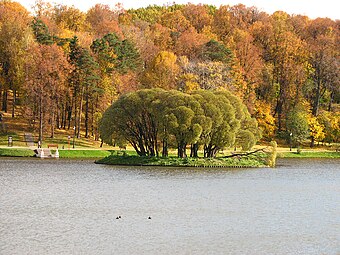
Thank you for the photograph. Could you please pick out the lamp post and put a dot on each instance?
(290, 140)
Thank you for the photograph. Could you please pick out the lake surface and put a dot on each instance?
(70, 207)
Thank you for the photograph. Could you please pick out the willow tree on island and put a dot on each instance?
(150, 118)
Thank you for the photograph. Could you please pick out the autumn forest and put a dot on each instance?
(61, 68)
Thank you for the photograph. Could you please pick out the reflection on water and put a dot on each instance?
(70, 207)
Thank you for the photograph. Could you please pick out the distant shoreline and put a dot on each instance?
(106, 157)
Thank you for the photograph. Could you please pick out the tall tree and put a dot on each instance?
(324, 60)
(286, 61)
(84, 79)
(297, 125)
(14, 39)
(47, 71)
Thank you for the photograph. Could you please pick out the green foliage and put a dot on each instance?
(83, 153)
(251, 161)
(310, 154)
(182, 111)
(215, 51)
(150, 14)
(149, 117)
(11, 152)
(220, 123)
(85, 72)
(297, 125)
(247, 133)
(41, 32)
(331, 126)
(116, 54)
(134, 117)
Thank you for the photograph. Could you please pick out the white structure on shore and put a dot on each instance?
(46, 153)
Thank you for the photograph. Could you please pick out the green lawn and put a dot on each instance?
(22, 152)
(310, 154)
(258, 160)
(16, 152)
(83, 153)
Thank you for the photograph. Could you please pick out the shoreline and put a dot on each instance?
(115, 157)
(258, 161)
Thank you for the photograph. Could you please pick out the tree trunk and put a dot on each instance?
(181, 152)
(63, 117)
(87, 114)
(80, 112)
(165, 152)
(52, 123)
(312, 142)
(14, 102)
(92, 124)
(75, 118)
(317, 99)
(4, 100)
(279, 114)
(41, 116)
(59, 116)
(331, 101)
(142, 150)
(74, 127)
(194, 150)
(210, 151)
(69, 116)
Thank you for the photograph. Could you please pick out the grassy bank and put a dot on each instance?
(258, 160)
(131, 158)
(16, 152)
(22, 152)
(83, 153)
(309, 154)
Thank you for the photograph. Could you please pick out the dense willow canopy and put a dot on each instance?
(151, 117)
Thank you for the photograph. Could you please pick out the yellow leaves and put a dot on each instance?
(331, 123)
(239, 84)
(162, 71)
(175, 21)
(207, 31)
(69, 18)
(13, 11)
(265, 120)
(164, 60)
(111, 54)
(188, 82)
(335, 122)
(316, 129)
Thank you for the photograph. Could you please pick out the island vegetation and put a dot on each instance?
(188, 77)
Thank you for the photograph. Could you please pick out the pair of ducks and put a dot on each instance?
(119, 217)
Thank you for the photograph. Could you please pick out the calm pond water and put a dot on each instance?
(70, 207)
